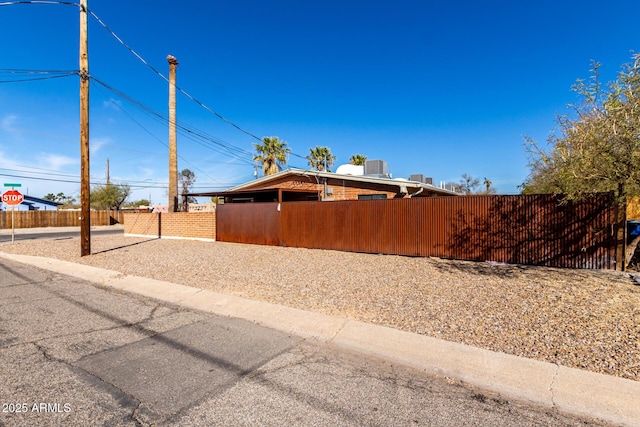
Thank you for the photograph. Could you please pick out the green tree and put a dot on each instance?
(187, 179)
(597, 147)
(109, 196)
(67, 201)
(320, 158)
(136, 203)
(272, 153)
(358, 159)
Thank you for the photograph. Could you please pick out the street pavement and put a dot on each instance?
(55, 233)
(76, 353)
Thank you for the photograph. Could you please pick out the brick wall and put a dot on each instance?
(184, 225)
(342, 189)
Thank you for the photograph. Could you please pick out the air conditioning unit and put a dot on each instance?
(421, 178)
(376, 167)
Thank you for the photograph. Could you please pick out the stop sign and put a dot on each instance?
(12, 197)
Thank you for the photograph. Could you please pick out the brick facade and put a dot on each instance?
(337, 189)
(183, 225)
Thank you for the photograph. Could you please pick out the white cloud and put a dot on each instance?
(97, 143)
(147, 172)
(56, 161)
(6, 161)
(112, 104)
(7, 122)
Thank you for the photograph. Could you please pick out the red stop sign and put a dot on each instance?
(12, 197)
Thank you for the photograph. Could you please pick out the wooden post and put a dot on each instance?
(173, 150)
(621, 235)
(85, 186)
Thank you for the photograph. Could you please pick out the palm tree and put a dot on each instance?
(488, 185)
(358, 159)
(320, 158)
(272, 153)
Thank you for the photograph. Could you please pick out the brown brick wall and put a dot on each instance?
(187, 225)
(342, 190)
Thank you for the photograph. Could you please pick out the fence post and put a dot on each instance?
(620, 234)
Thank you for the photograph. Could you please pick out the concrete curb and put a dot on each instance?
(570, 390)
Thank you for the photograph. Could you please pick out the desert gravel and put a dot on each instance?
(578, 318)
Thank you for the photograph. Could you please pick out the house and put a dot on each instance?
(30, 203)
(346, 184)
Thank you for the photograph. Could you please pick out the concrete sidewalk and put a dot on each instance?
(570, 390)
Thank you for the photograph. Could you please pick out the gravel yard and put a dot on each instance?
(578, 318)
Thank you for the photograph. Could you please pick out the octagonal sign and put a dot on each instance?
(12, 197)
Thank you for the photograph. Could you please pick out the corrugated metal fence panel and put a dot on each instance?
(297, 225)
(256, 223)
(533, 229)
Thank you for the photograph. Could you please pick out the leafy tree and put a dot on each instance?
(358, 159)
(272, 153)
(597, 148)
(66, 201)
(320, 158)
(136, 203)
(109, 196)
(59, 198)
(187, 178)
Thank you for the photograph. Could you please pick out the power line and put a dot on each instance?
(51, 74)
(141, 184)
(194, 134)
(29, 71)
(35, 74)
(162, 76)
(11, 3)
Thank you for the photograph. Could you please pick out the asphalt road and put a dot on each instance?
(73, 353)
(66, 233)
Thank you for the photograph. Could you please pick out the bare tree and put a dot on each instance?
(187, 179)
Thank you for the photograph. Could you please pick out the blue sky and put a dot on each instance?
(437, 88)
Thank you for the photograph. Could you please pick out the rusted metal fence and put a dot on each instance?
(54, 218)
(531, 229)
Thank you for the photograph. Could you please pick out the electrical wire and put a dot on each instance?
(66, 3)
(154, 136)
(32, 71)
(96, 181)
(163, 77)
(185, 93)
(229, 149)
(192, 133)
(35, 74)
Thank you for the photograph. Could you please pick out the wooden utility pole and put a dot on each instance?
(85, 187)
(173, 151)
